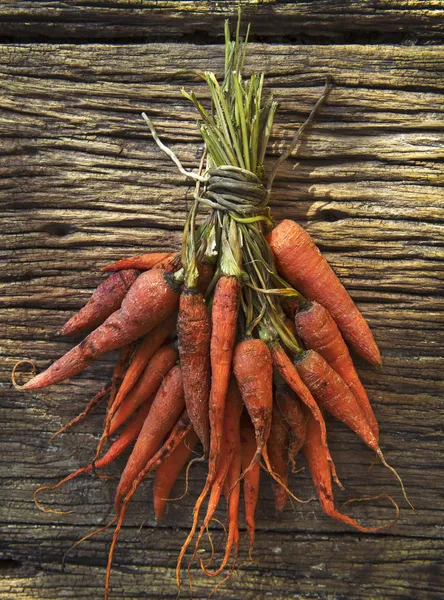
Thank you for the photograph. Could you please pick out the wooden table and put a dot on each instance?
(83, 184)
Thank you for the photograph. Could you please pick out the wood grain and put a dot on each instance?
(305, 21)
(82, 184)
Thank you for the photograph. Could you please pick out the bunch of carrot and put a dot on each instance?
(236, 343)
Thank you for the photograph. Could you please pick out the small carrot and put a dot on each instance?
(162, 361)
(333, 394)
(251, 477)
(291, 409)
(106, 299)
(319, 332)
(318, 463)
(150, 300)
(144, 262)
(168, 472)
(166, 408)
(253, 369)
(224, 320)
(277, 445)
(194, 334)
(289, 373)
(301, 264)
(290, 307)
(127, 437)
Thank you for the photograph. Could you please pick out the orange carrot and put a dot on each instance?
(253, 369)
(277, 445)
(290, 307)
(194, 333)
(318, 463)
(165, 411)
(144, 262)
(127, 437)
(319, 332)
(106, 299)
(303, 266)
(215, 482)
(289, 373)
(162, 361)
(148, 346)
(206, 273)
(333, 394)
(251, 477)
(224, 320)
(291, 410)
(153, 296)
(168, 472)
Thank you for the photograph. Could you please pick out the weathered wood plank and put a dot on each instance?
(81, 184)
(305, 21)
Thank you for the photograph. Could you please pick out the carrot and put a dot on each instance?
(148, 346)
(319, 332)
(278, 452)
(224, 319)
(128, 435)
(289, 373)
(292, 412)
(251, 477)
(290, 307)
(144, 262)
(232, 482)
(180, 430)
(215, 482)
(301, 264)
(229, 448)
(106, 299)
(150, 300)
(318, 463)
(162, 361)
(165, 411)
(194, 333)
(333, 394)
(168, 472)
(252, 366)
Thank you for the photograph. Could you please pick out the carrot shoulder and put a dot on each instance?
(303, 266)
(153, 296)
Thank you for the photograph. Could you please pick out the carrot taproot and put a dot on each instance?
(150, 300)
(277, 445)
(97, 399)
(143, 262)
(333, 394)
(251, 478)
(166, 408)
(319, 332)
(318, 464)
(232, 483)
(301, 264)
(291, 410)
(194, 334)
(215, 481)
(180, 430)
(106, 299)
(168, 472)
(148, 346)
(229, 448)
(162, 361)
(291, 376)
(224, 320)
(125, 439)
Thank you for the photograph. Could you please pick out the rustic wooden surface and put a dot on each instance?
(82, 183)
